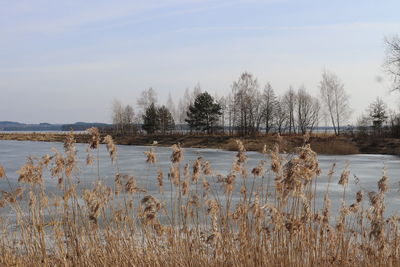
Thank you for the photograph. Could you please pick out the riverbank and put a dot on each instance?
(329, 145)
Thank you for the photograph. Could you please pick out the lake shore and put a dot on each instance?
(322, 144)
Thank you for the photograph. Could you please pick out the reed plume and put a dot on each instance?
(111, 148)
(95, 137)
(249, 222)
(151, 156)
(2, 172)
(177, 154)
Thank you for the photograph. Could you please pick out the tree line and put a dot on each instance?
(250, 108)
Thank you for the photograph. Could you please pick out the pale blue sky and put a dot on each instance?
(65, 61)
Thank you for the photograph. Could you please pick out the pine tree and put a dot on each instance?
(204, 113)
(151, 122)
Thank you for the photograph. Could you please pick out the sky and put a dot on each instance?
(66, 61)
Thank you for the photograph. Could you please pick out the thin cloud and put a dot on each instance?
(76, 67)
(345, 26)
(92, 14)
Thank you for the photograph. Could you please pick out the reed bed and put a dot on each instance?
(268, 217)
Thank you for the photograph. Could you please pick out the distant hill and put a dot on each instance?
(17, 126)
(9, 123)
(44, 126)
(81, 126)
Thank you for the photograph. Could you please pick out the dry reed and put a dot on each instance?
(267, 225)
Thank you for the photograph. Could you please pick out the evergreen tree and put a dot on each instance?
(151, 122)
(166, 120)
(204, 113)
(378, 113)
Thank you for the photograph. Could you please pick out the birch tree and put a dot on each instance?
(335, 99)
(289, 104)
(170, 105)
(128, 117)
(117, 115)
(246, 103)
(122, 117)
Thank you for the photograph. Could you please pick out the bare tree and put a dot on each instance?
(222, 101)
(307, 111)
(117, 115)
(394, 123)
(392, 60)
(246, 104)
(335, 99)
(146, 98)
(183, 106)
(256, 110)
(269, 103)
(128, 118)
(363, 124)
(181, 111)
(281, 116)
(289, 105)
(170, 105)
(122, 117)
(230, 110)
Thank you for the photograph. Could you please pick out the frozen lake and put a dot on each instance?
(367, 169)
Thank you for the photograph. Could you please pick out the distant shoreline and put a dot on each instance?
(323, 144)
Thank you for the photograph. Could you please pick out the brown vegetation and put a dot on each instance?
(42, 137)
(320, 143)
(272, 222)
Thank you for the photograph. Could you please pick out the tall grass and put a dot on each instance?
(268, 217)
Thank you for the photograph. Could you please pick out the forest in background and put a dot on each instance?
(252, 109)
